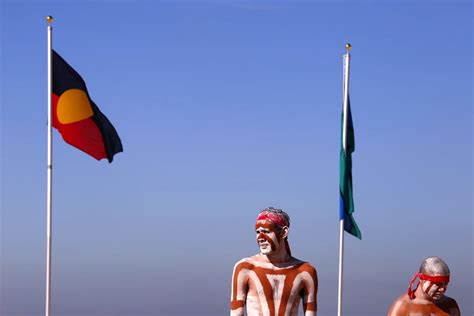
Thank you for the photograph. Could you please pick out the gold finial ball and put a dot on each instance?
(348, 46)
(49, 18)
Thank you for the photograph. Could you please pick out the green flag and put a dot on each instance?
(346, 201)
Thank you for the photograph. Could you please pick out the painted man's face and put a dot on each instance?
(434, 290)
(267, 238)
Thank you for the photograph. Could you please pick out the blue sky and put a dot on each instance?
(225, 108)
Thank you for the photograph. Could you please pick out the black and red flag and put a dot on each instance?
(76, 116)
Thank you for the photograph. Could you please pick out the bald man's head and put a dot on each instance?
(434, 266)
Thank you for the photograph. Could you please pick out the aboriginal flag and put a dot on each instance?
(76, 116)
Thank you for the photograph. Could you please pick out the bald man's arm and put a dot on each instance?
(454, 310)
(398, 308)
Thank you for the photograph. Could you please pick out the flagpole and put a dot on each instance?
(49, 196)
(344, 136)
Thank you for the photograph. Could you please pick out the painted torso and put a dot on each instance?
(416, 307)
(267, 289)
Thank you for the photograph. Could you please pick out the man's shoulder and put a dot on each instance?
(449, 302)
(244, 263)
(403, 299)
(255, 260)
(304, 266)
(400, 305)
(449, 299)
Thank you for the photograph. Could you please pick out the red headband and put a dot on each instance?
(272, 217)
(431, 278)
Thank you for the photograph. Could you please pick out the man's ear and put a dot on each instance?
(284, 232)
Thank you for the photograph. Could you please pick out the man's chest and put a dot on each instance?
(429, 310)
(276, 285)
(273, 293)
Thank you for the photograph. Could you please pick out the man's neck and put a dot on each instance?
(280, 256)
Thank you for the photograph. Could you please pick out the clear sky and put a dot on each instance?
(225, 108)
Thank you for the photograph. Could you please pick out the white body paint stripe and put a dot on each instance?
(261, 295)
(277, 290)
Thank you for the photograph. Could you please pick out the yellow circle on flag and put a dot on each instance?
(73, 106)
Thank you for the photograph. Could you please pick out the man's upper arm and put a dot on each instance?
(456, 310)
(238, 290)
(397, 308)
(310, 302)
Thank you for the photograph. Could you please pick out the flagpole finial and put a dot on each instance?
(348, 47)
(49, 18)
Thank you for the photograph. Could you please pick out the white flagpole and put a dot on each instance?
(344, 125)
(49, 197)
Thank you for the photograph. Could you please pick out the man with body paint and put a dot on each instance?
(272, 283)
(427, 298)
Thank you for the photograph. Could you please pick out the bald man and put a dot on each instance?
(272, 282)
(427, 298)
